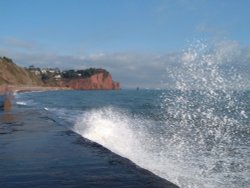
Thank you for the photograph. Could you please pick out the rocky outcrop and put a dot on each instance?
(98, 81)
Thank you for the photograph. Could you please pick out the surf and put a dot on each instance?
(201, 139)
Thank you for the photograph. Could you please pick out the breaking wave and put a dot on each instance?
(202, 139)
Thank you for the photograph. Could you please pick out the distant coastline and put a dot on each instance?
(17, 79)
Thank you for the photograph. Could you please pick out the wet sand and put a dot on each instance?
(36, 151)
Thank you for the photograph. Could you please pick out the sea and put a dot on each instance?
(187, 137)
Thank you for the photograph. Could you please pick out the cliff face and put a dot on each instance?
(12, 74)
(89, 79)
(98, 81)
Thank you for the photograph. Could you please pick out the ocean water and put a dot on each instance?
(196, 145)
(196, 134)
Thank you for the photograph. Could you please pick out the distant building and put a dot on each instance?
(58, 76)
(51, 71)
(37, 72)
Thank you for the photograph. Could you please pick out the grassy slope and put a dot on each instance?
(10, 73)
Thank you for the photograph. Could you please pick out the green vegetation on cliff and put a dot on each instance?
(69, 74)
(50, 76)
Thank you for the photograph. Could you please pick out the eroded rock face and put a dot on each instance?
(99, 81)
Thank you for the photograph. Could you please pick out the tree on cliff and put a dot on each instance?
(83, 73)
(6, 59)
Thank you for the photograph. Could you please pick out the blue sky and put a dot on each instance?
(86, 33)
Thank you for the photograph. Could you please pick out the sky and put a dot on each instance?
(135, 40)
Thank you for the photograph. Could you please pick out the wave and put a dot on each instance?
(21, 103)
(140, 140)
(155, 146)
(27, 102)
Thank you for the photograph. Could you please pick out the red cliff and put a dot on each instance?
(98, 81)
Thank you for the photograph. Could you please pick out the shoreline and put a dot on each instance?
(9, 89)
(7, 93)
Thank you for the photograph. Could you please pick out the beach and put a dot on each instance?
(24, 88)
(35, 151)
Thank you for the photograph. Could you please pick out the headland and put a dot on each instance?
(14, 78)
